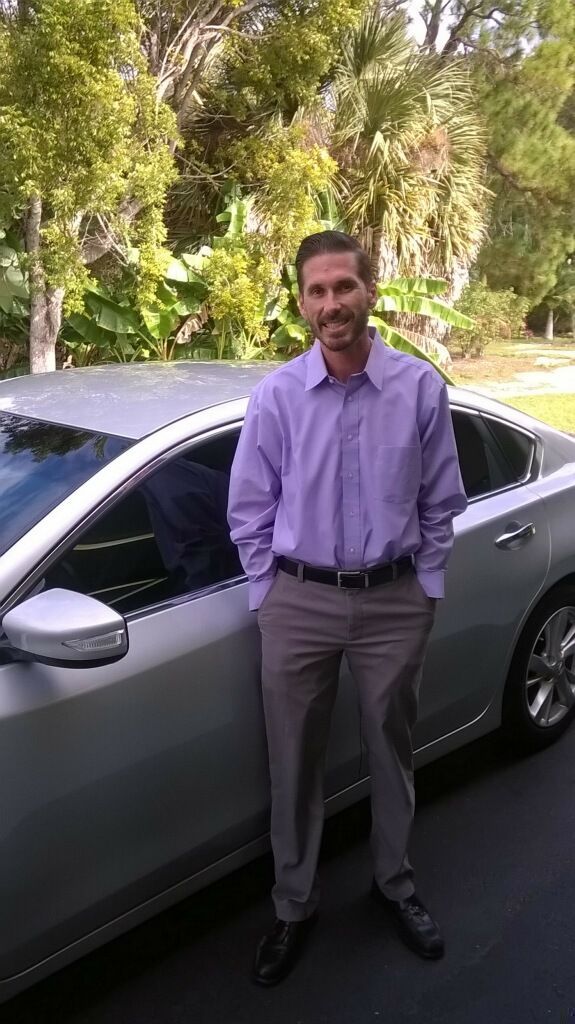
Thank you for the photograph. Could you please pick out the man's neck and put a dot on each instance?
(342, 365)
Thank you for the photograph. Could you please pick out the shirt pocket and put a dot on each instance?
(397, 472)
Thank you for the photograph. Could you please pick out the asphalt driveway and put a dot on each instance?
(494, 851)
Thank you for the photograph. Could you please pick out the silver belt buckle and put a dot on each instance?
(357, 572)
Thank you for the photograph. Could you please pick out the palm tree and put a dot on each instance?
(410, 149)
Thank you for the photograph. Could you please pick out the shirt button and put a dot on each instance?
(352, 550)
(352, 513)
(350, 475)
(350, 437)
(350, 398)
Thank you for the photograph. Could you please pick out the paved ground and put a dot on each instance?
(552, 380)
(527, 369)
(495, 855)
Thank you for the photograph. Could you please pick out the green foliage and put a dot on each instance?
(495, 315)
(416, 295)
(238, 277)
(562, 295)
(288, 172)
(523, 91)
(14, 288)
(14, 307)
(410, 148)
(293, 48)
(115, 326)
(81, 129)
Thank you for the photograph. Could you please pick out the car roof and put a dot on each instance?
(130, 399)
(135, 399)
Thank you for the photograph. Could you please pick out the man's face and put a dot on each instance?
(335, 300)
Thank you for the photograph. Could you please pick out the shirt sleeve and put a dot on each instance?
(441, 495)
(255, 488)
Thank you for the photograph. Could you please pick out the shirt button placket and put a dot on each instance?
(350, 469)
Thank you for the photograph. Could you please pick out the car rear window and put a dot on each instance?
(516, 446)
(40, 465)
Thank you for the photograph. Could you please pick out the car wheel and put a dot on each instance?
(539, 698)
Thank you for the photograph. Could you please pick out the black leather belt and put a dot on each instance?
(349, 580)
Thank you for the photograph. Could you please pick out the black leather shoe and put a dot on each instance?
(279, 950)
(414, 924)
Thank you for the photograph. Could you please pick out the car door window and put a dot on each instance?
(483, 470)
(516, 447)
(169, 536)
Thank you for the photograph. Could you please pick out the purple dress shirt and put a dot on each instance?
(346, 476)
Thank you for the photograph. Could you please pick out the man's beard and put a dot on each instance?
(356, 327)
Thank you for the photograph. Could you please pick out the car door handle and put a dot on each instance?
(516, 532)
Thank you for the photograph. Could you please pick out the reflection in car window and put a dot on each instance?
(166, 538)
(516, 446)
(472, 456)
(40, 465)
(482, 469)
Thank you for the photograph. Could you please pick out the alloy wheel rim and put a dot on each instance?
(550, 679)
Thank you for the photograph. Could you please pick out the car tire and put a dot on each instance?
(539, 696)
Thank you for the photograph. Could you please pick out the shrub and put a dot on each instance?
(497, 316)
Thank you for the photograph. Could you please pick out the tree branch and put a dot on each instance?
(468, 14)
(98, 243)
(515, 184)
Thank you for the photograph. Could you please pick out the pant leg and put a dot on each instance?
(386, 658)
(300, 670)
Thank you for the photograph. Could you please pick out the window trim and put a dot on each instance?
(27, 585)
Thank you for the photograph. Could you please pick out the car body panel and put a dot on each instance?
(476, 626)
(147, 771)
(144, 780)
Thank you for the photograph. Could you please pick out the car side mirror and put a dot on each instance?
(61, 627)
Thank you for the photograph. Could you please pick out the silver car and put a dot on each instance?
(133, 765)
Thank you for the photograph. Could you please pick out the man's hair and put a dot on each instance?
(329, 242)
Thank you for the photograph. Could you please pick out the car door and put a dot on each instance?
(498, 566)
(125, 780)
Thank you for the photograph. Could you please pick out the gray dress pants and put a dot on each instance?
(306, 627)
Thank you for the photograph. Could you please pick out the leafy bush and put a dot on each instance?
(496, 316)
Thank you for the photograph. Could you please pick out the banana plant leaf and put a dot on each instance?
(413, 286)
(13, 281)
(177, 271)
(160, 321)
(286, 334)
(398, 341)
(235, 216)
(88, 330)
(426, 307)
(111, 316)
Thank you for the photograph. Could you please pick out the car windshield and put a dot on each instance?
(40, 465)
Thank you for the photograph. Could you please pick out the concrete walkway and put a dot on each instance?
(553, 373)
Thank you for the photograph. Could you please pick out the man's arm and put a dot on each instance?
(441, 495)
(255, 487)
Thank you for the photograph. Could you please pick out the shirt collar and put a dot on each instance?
(374, 368)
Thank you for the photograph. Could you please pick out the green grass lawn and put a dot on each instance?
(556, 409)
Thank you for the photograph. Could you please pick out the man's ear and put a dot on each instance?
(372, 293)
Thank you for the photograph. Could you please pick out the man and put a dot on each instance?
(342, 495)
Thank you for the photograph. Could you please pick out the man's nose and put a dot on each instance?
(332, 304)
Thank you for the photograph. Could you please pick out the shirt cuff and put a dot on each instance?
(258, 590)
(432, 581)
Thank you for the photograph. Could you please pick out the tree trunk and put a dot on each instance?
(573, 323)
(45, 301)
(549, 325)
(45, 323)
